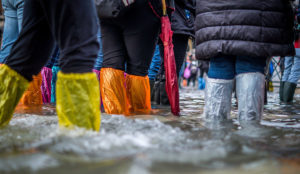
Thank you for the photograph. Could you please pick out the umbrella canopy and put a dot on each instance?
(169, 62)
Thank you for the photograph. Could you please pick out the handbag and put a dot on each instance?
(187, 73)
(112, 8)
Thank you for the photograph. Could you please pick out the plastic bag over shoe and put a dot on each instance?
(218, 93)
(12, 87)
(138, 94)
(33, 95)
(46, 84)
(250, 89)
(78, 100)
(112, 85)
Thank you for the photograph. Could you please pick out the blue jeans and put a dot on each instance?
(155, 64)
(13, 12)
(227, 67)
(292, 68)
(99, 60)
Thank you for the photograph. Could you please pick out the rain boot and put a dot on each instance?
(288, 92)
(218, 93)
(281, 90)
(138, 94)
(156, 91)
(151, 89)
(78, 100)
(113, 92)
(12, 87)
(250, 89)
(164, 100)
(33, 95)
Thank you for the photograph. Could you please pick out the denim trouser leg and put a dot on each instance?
(288, 64)
(246, 64)
(13, 12)
(222, 68)
(155, 64)
(292, 68)
(99, 60)
(295, 72)
(226, 67)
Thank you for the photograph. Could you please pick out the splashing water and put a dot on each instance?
(33, 142)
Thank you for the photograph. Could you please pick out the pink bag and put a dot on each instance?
(187, 73)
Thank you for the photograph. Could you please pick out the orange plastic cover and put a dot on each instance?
(138, 94)
(33, 95)
(112, 86)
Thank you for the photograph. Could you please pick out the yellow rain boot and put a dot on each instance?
(33, 95)
(112, 85)
(12, 87)
(138, 94)
(78, 100)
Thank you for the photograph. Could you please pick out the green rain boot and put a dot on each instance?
(281, 90)
(288, 92)
(78, 100)
(12, 87)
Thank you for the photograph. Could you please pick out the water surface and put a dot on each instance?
(155, 144)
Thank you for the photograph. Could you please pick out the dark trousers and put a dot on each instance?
(129, 41)
(72, 24)
(180, 42)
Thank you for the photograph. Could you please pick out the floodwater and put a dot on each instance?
(161, 144)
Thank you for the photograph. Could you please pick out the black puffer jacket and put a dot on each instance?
(181, 24)
(255, 28)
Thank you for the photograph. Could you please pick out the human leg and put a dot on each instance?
(19, 5)
(25, 60)
(140, 41)
(11, 32)
(74, 27)
(291, 83)
(112, 80)
(250, 87)
(219, 86)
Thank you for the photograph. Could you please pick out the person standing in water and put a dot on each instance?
(238, 36)
(73, 26)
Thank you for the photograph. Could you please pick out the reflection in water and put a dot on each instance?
(33, 143)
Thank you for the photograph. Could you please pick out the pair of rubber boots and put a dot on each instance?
(78, 103)
(124, 94)
(287, 91)
(250, 89)
(159, 94)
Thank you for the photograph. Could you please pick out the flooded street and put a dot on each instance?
(161, 144)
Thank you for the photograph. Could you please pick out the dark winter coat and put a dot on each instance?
(255, 28)
(181, 24)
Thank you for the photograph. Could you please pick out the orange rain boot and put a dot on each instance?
(138, 94)
(33, 95)
(112, 86)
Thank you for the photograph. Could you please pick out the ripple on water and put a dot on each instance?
(151, 144)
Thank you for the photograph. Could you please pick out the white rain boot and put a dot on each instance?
(218, 93)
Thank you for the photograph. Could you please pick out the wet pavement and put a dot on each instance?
(155, 144)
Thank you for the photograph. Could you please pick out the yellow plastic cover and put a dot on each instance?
(78, 100)
(112, 85)
(138, 94)
(12, 87)
(33, 95)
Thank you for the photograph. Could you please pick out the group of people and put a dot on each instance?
(237, 36)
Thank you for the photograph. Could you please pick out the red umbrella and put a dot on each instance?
(169, 62)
